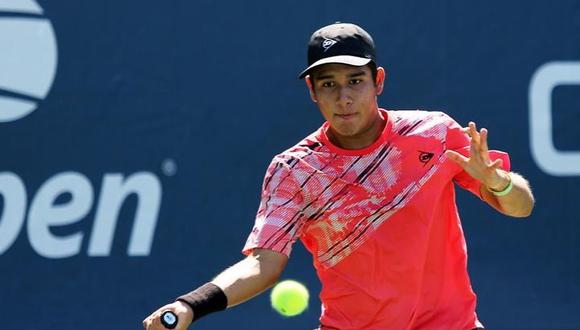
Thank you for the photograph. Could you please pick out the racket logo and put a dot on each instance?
(169, 318)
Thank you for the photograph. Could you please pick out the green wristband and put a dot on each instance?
(506, 190)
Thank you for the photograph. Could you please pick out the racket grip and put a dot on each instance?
(169, 319)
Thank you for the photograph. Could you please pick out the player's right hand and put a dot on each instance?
(181, 309)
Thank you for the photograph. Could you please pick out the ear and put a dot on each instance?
(381, 77)
(310, 89)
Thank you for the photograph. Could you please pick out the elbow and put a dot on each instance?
(273, 279)
(270, 275)
(524, 212)
(273, 273)
(521, 214)
(270, 266)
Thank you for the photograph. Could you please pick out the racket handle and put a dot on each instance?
(169, 319)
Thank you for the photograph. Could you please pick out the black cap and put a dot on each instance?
(343, 43)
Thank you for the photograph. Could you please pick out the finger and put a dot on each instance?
(473, 132)
(483, 139)
(474, 147)
(457, 158)
(157, 323)
(497, 164)
(146, 323)
(483, 147)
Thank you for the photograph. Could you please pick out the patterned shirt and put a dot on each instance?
(381, 223)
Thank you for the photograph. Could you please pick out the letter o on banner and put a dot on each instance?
(544, 80)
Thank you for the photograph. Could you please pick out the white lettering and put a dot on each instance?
(544, 80)
(44, 213)
(114, 192)
(14, 197)
(67, 198)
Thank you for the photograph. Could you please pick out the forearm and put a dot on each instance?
(519, 202)
(236, 284)
(249, 277)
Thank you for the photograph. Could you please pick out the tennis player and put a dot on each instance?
(371, 194)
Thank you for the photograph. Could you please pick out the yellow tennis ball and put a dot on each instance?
(289, 298)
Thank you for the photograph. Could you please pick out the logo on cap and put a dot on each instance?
(327, 43)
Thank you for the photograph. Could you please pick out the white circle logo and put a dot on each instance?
(28, 58)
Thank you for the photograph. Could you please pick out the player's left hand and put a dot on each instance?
(478, 164)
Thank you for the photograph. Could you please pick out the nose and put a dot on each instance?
(344, 96)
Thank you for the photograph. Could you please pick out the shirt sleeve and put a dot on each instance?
(279, 217)
(460, 142)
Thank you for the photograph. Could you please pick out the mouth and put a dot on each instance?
(345, 116)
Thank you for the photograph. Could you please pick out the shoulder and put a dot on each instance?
(405, 121)
(286, 161)
(289, 166)
(406, 116)
(300, 150)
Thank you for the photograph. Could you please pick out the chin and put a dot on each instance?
(346, 132)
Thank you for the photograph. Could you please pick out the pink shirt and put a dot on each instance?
(381, 224)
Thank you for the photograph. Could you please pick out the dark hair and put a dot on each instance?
(371, 65)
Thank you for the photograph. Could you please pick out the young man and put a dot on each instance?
(371, 195)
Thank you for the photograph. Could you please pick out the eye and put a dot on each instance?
(328, 84)
(355, 81)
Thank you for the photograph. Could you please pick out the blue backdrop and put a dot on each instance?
(135, 174)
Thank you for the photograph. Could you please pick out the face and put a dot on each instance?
(347, 98)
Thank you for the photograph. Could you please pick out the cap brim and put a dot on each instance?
(341, 59)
